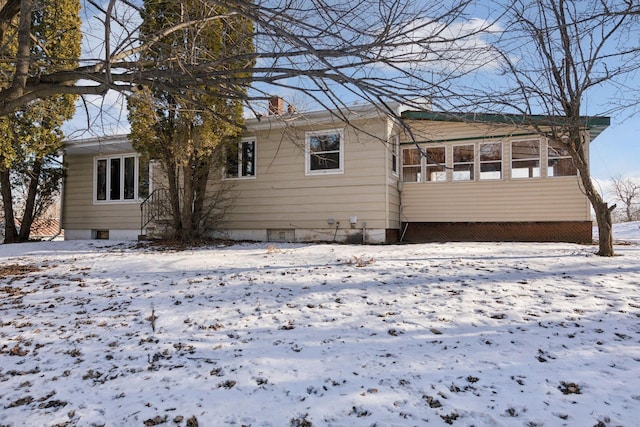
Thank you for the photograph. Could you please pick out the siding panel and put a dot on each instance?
(557, 199)
(79, 210)
(281, 196)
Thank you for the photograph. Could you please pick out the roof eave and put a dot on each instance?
(595, 124)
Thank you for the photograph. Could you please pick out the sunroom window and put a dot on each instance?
(490, 160)
(559, 162)
(436, 164)
(411, 165)
(117, 179)
(463, 161)
(324, 153)
(525, 159)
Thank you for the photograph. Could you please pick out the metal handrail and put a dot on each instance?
(153, 207)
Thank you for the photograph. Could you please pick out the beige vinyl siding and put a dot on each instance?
(393, 206)
(282, 196)
(557, 199)
(507, 199)
(80, 212)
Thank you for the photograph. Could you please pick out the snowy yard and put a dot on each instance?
(463, 334)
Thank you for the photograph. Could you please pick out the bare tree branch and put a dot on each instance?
(373, 48)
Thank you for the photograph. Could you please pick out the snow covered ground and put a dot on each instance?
(466, 334)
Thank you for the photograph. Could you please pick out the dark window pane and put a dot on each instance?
(129, 177)
(325, 161)
(525, 149)
(395, 150)
(319, 143)
(101, 180)
(114, 190)
(490, 152)
(410, 156)
(436, 156)
(248, 154)
(561, 167)
(560, 162)
(525, 169)
(491, 170)
(463, 154)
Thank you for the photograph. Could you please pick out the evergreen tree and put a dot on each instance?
(31, 136)
(186, 131)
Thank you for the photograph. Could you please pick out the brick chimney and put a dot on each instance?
(276, 106)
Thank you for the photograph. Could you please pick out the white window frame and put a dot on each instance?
(455, 175)
(419, 166)
(444, 174)
(136, 178)
(394, 141)
(307, 153)
(541, 148)
(564, 157)
(240, 160)
(485, 162)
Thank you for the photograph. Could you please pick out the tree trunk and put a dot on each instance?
(10, 230)
(578, 147)
(201, 178)
(605, 234)
(602, 210)
(29, 208)
(187, 233)
(174, 194)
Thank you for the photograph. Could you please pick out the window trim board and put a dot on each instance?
(307, 153)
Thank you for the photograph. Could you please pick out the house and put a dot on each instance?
(313, 177)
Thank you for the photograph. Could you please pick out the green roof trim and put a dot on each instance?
(595, 124)
(487, 138)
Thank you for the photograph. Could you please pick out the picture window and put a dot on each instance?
(119, 178)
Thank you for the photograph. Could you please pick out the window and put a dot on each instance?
(525, 159)
(116, 178)
(241, 160)
(411, 165)
(490, 160)
(436, 164)
(463, 162)
(559, 162)
(395, 157)
(324, 152)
